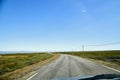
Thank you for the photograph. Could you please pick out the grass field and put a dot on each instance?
(108, 56)
(11, 62)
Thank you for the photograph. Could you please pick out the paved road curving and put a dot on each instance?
(70, 66)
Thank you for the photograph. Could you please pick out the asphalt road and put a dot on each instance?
(70, 66)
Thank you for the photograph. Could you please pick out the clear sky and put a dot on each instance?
(58, 25)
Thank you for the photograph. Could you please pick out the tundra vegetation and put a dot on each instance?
(11, 62)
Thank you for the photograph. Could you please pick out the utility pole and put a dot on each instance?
(83, 48)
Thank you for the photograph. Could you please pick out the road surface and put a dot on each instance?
(70, 66)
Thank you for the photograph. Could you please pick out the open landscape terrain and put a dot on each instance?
(69, 64)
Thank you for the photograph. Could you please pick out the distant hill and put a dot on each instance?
(8, 52)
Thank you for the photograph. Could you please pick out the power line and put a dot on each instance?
(115, 43)
(105, 44)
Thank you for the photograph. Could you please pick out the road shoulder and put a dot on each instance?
(111, 65)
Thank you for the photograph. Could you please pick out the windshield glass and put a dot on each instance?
(57, 39)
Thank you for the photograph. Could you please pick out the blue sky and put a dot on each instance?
(58, 25)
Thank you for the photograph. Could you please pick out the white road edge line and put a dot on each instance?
(111, 68)
(32, 76)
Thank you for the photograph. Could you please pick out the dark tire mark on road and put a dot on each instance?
(69, 69)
